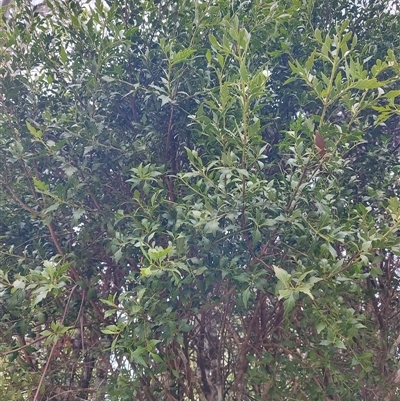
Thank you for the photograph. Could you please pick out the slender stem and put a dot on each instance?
(35, 398)
(18, 200)
(36, 340)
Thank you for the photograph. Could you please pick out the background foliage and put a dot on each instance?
(198, 201)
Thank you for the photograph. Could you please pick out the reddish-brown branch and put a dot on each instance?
(243, 361)
(28, 356)
(18, 200)
(3, 354)
(55, 239)
(46, 367)
(72, 270)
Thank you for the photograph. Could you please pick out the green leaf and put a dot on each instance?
(109, 313)
(340, 344)
(164, 100)
(310, 61)
(70, 171)
(36, 133)
(269, 222)
(40, 296)
(107, 78)
(118, 255)
(211, 227)
(325, 342)
(243, 72)
(40, 186)
(246, 296)
(289, 304)
(372, 83)
(137, 357)
(282, 275)
(111, 329)
(256, 236)
(318, 36)
(157, 358)
(76, 215)
(214, 42)
(305, 288)
(109, 302)
(182, 55)
(19, 284)
(208, 56)
(52, 207)
(320, 326)
(63, 55)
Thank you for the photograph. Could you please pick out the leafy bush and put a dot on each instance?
(199, 201)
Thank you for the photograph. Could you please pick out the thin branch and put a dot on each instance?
(36, 340)
(35, 398)
(18, 200)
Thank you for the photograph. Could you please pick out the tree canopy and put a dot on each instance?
(198, 200)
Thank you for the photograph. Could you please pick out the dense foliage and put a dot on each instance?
(199, 200)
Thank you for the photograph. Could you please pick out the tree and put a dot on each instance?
(199, 201)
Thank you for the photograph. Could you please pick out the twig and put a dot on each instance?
(3, 354)
(19, 201)
(35, 398)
